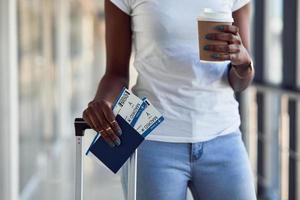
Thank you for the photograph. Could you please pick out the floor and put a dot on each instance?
(55, 179)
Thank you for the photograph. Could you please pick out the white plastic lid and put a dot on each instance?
(209, 14)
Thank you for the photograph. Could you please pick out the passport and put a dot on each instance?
(115, 157)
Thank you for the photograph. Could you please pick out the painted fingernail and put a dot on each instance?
(120, 132)
(117, 142)
(220, 28)
(206, 47)
(111, 144)
(215, 55)
(208, 36)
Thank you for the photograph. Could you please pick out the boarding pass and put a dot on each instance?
(148, 120)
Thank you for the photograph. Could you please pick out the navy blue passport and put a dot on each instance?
(115, 157)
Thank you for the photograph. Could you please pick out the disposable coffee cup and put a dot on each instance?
(207, 23)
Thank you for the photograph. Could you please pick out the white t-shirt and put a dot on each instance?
(195, 98)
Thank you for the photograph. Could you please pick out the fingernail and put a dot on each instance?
(208, 36)
(206, 47)
(117, 142)
(220, 28)
(111, 144)
(120, 132)
(215, 55)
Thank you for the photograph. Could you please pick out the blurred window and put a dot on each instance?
(273, 41)
(36, 83)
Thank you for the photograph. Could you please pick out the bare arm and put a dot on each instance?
(118, 38)
(242, 21)
(118, 50)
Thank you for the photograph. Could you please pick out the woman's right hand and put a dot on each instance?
(100, 117)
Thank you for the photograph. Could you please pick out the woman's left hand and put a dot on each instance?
(234, 50)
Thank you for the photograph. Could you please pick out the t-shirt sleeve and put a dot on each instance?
(239, 4)
(123, 5)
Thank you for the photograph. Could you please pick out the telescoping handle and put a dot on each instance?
(80, 127)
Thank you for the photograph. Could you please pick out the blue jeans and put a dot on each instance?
(217, 169)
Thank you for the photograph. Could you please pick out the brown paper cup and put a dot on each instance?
(205, 27)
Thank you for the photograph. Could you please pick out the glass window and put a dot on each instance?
(273, 41)
(36, 75)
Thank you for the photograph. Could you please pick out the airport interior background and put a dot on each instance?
(52, 56)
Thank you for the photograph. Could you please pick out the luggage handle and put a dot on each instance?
(80, 127)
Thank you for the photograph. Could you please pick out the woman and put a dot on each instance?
(199, 144)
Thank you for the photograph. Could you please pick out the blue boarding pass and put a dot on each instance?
(148, 120)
